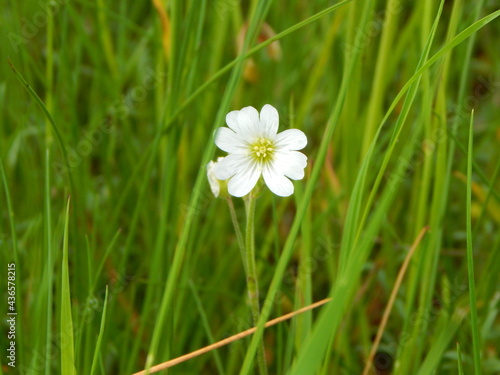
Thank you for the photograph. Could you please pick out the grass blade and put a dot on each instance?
(95, 361)
(40, 103)
(67, 335)
(470, 255)
(459, 360)
(49, 265)
(440, 343)
(206, 325)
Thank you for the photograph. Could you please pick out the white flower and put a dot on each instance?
(215, 184)
(255, 149)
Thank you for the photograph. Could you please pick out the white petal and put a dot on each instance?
(291, 139)
(249, 125)
(269, 120)
(227, 140)
(244, 181)
(277, 182)
(212, 180)
(232, 121)
(230, 165)
(291, 164)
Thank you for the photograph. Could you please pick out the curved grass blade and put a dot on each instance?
(416, 76)
(40, 103)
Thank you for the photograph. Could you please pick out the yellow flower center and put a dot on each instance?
(262, 150)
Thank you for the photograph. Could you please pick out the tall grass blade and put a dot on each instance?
(95, 361)
(67, 335)
(476, 343)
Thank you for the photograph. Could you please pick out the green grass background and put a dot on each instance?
(106, 113)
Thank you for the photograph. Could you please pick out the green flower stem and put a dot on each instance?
(239, 236)
(252, 284)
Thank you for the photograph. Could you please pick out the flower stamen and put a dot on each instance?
(262, 150)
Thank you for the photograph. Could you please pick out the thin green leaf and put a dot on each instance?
(476, 344)
(95, 360)
(459, 360)
(67, 335)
